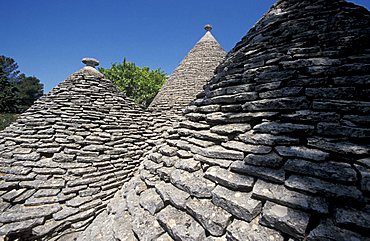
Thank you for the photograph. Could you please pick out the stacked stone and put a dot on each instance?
(275, 148)
(190, 76)
(184, 83)
(67, 155)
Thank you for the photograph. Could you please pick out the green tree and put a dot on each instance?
(139, 83)
(17, 91)
(8, 76)
(29, 89)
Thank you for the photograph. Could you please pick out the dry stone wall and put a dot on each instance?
(185, 83)
(276, 147)
(67, 155)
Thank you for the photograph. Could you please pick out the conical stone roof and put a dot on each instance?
(276, 148)
(63, 159)
(189, 77)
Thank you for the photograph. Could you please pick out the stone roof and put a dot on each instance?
(63, 159)
(189, 77)
(276, 147)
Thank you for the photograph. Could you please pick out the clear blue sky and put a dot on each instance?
(48, 38)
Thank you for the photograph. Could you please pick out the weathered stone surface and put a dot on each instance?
(349, 218)
(28, 213)
(287, 220)
(255, 138)
(214, 219)
(240, 146)
(189, 165)
(288, 103)
(338, 147)
(327, 231)
(282, 128)
(39, 184)
(16, 227)
(324, 188)
(240, 204)
(229, 179)
(281, 195)
(302, 152)
(151, 201)
(335, 171)
(192, 183)
(175, 196)
(274, 175)
(146, 226)
(180, 225)
(268, 160)
(213, 161)
(13, 194)
(219, 152)
(251, 231)
(231, 128)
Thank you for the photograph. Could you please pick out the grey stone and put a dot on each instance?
(39, 184)
(25, 195)
(27, 157)
(283, 196)
(302, 152)
(365, 177)
(151, 201)
(287, 103)
(192, 183)
(46, 192)
(219, 152)
(346, 148)
(252, 137)
(35, 201)
(65, 212)
(146, 226)
(47, 228)
(18, 227)
(351, 218)
(334, 129)
(279, 128)
(240, 204)
(268, 160)
(341, 172)
(193, 125)
(287, 220)
(214, 219)
(324, 188)
(209, 136)
(213, 161)
(231, 128)
(13, 194)
(327, 231)
(168, 151)
(78, 201)
(240, 146)
(180, 225)
(274, 175)
(229, 179)
(26, 213)
(251, 231)
(189, 165)
(175, 196)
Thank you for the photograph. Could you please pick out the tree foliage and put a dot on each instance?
(139, 83)
(17, 91)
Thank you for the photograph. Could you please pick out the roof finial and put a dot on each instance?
(208, 27)
(90, 62)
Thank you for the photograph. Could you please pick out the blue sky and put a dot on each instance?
(48, 38)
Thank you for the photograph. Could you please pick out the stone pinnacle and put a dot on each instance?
(208, 27)
(90, 62)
